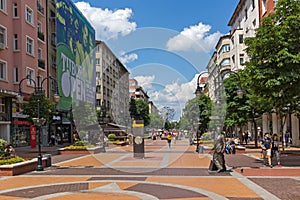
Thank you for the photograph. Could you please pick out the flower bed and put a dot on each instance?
(79, 150)
(22, 167)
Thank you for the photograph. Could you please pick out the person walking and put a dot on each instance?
(266, 149)
(275, 149)
(169, 139)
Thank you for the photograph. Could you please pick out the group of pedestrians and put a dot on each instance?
(270, 149)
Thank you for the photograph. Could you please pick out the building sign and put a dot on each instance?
(75, 56)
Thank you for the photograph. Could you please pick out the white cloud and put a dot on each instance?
(126, 58)
(174, 95)
(107, 23)
(194, 38)
(145, 82)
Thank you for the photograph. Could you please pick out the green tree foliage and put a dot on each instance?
(155, 120)
(197, 111)
(204, 104)
(273, 71)
(139, 110)
(47, 108)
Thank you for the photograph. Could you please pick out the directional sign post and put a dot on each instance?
(138, 139)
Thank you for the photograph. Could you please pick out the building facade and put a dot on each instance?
(112, 85)
(23, 53)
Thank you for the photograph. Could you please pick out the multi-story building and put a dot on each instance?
(137, 91)
(23, 53)
(112, 85)
(244, 20)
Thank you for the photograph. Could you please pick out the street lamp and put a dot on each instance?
(198, 93)
(239, 91)
(38, 91)
(103, 122)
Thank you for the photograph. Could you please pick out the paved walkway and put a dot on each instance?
(165, 173)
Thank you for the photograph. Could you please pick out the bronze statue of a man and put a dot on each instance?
(218, 162)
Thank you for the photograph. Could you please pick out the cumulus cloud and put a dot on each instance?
(174, 95)
(194, 38)
(145, 81)
(127, 58)
(108, 24)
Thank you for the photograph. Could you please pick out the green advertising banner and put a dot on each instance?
(75, 56)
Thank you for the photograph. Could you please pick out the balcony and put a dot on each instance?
(41, 63)
(40, 8)
(53, 39)
(41, 36)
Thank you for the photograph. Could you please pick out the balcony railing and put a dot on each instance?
(41, 36)
(41, 63)
(40, 8)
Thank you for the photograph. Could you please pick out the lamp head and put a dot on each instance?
(20, 97)
(240, 92)
(38, 121)
(198, 91)
(56, 97)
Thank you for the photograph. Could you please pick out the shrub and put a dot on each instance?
(9, 161)
(79, 143)
(76, 147)
(112, 137)
(3, 144)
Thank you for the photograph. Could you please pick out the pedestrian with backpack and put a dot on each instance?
(275, 149)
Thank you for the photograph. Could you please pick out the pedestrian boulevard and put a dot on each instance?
(164, 173)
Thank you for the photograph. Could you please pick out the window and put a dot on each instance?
(264, 6)
(15, 10)
(29, 46)
(98, 61)
(241, 58)
(232, 40)
(246, 14)
(30, 74)
(225, 61)
(39, 27)
(97, 75)
(224, 48)
(2, 37)
(16, 76)
(40, 53)
(253, 4)
(241, 39)
(3, 5)
(254, 23)
(98, 89)
(29, 15)
(16, 42)
(3, 70)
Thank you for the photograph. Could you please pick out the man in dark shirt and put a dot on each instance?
(266, 149)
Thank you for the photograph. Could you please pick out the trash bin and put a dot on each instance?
(48, 159)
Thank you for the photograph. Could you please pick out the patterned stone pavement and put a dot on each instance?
(177, 173)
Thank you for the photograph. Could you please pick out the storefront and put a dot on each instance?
(61, 128)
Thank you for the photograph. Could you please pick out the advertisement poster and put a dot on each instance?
(75, 56)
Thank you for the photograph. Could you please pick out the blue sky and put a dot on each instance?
(163, 43)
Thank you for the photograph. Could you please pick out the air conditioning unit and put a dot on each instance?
(2, 46)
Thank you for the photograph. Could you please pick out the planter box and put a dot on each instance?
(64, 151)
(23, 167)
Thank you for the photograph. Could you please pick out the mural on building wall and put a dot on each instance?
(75, 56)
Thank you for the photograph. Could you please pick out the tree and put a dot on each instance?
(139, 110)
(240, 110)
(196, 111)
(47, 108)
(155, 120)
(273, 71)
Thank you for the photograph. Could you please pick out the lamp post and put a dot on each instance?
(103, 122)
(38, 91)
(198, 93)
